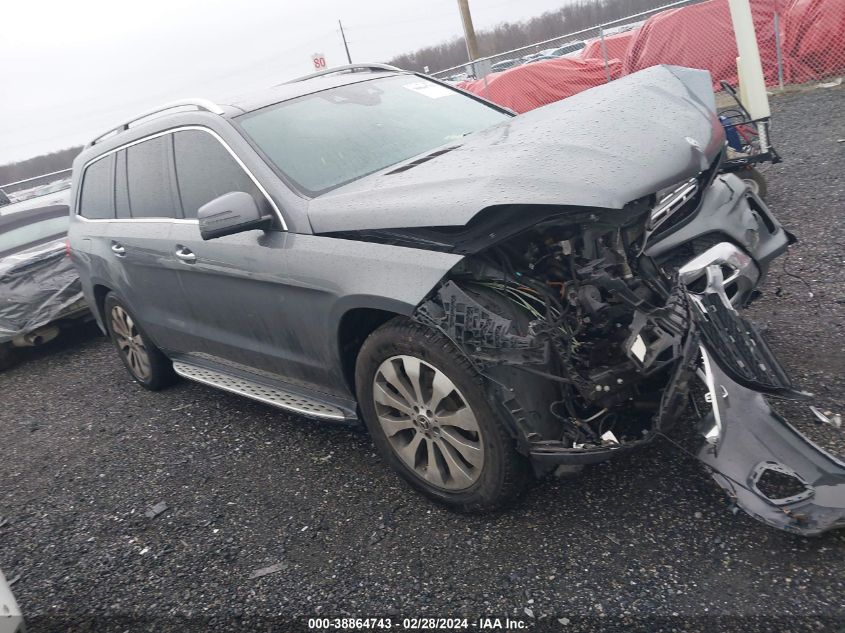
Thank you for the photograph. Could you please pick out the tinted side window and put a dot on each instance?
(151, 190)
(121, 187)
(206, 170)
(97, 200)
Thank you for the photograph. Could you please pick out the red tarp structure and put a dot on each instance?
(702, 36)
(616, 46)
(524, 88)
(696, 36)
(813, 37)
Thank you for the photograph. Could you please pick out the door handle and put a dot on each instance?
(185, 254)
(118, 249)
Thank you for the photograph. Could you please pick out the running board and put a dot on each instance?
(259, 391)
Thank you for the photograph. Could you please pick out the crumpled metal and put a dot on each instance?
(37, 286)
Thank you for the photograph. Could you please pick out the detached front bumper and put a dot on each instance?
(772, 471)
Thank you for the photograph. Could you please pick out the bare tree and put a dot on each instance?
(578, 15)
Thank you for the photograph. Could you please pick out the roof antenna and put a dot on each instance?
(345, 45)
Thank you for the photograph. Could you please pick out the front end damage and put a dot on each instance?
(594, 339)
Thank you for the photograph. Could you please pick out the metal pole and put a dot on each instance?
(345, 45)
(604, 53)
(752, 82)
(778, 50)
(469, 30)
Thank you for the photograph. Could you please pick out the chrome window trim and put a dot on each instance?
(181, 128)
(140, 220)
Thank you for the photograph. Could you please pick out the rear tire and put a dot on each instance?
(144, 361)
(466, 461)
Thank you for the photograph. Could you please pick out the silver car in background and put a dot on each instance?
(40, 293)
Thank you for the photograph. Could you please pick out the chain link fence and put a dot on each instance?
(34, 187)
(800, 41)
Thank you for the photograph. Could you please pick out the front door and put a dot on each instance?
(234, 285)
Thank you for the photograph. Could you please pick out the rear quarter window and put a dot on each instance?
(97, 197)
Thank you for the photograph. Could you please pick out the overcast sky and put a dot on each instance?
(72, 69)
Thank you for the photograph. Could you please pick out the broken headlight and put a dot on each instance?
(671, 200)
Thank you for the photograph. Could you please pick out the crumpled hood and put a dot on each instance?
(603, 147)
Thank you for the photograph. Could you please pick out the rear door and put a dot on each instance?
(146, 206)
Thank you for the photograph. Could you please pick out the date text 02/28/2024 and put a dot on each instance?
(416, 624)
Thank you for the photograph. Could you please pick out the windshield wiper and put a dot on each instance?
(422, 159)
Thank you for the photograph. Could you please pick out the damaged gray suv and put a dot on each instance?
(497, 297)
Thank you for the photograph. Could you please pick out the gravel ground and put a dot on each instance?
(647, 540)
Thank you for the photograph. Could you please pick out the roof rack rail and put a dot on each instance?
(351, 68)
(198, 103)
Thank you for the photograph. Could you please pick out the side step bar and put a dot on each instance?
(258, 391)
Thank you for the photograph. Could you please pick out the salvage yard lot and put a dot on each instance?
(85, 453)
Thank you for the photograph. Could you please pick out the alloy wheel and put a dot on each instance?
(428, 422)
(130, 344)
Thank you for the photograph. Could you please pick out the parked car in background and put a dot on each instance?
(568, 49)
(489, 314)
(540, 58)
(504, 65)
(54, 198)
(456, 78)
(40, 291)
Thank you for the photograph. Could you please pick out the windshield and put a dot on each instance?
(326, 139)
(19, 237)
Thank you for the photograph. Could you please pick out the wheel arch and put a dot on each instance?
(100, 292)
(353, 329)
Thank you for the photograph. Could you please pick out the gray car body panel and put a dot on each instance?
(603, 148)
(270, 304)
(284, 303)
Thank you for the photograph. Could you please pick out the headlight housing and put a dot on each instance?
(671, 200)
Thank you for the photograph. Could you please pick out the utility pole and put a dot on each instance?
(469, 30)
(345, 45)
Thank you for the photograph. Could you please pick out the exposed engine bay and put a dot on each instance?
(592, 347)
(579, 335)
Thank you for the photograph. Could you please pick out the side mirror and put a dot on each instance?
(230, 213)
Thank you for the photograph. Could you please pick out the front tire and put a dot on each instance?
(427, 411)
(757, 182)
(145, 362)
